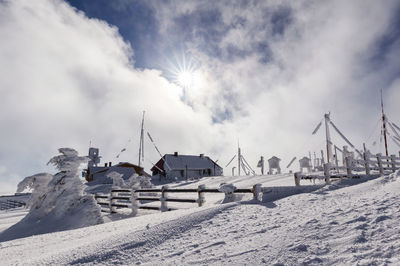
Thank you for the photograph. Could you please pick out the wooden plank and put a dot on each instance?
(120, 205)
(101, 197)
(148, 199)
(182, 190)
(149, 208)
(243, 190)
(121, 190)
(120, 198)
(148, 190)
(182, 200)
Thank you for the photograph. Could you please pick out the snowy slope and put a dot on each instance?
(339, 224)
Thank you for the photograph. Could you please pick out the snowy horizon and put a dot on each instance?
(208, 74)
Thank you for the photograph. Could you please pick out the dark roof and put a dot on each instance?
(181, 161)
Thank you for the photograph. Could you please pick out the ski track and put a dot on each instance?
(133, 246)
(326, 227)
(337, 224)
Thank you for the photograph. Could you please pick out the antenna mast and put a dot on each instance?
(384, 126)
(141, 143)
(329, 154)
(239, 159)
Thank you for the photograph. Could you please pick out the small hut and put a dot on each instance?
(273, 163)
(305, 162)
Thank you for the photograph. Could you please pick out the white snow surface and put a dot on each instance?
(346, 223)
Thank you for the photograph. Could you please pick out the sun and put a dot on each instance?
(185, 78)
(185, 71)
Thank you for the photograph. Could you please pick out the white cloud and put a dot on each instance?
(66, 79)
(321, 62)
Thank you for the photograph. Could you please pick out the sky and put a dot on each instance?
(263, 73)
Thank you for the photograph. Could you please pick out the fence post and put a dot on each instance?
(380, 166)
(257, 190)
(200, 192)
(134, 201)
(164, 195)
(297, 178)
(366, 163)
(327, 168)
(96, 199)
(348, 166)
(112, 194)
(393, 158)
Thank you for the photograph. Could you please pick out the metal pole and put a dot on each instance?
(328, 139)
(384, 126)
(141, 142)
(262, 165)
(239, 160)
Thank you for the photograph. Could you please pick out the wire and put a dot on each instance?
(372, 132)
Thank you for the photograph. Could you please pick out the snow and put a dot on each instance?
(57, 202)
(347, 222)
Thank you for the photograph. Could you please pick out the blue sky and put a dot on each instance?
(263, 73)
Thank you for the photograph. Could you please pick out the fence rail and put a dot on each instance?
(11, 204)
(127, 198)
(355, 168)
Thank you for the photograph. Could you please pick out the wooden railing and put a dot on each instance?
(11, 204)
(127, 198)
(355, 168)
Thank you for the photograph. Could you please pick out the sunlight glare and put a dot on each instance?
(185, 79)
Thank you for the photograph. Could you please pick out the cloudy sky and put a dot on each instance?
(262, 73)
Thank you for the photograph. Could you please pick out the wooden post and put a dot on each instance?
(336, 159)
(200, 192)
(257, 190)
(366, 163)
(111, 202)
(379, 159)
(327, 169)
(164, 195)
(134, 202)
(349, 166)
(393, 158)
(297, 179)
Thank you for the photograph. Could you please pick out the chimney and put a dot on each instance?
(176, 153)
(105, 164)
(109, 164)
(201, 155)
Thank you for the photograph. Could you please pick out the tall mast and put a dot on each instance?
(141, 143)
(384, 126)
(329, 155)
(239, 159)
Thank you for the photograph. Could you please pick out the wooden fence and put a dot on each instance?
(355, 168)
(11, 204)
(127, 198)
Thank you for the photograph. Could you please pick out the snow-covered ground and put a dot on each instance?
(349, 222)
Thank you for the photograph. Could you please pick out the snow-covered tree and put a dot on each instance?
(118, 181)
(61, 205)
(38, 184)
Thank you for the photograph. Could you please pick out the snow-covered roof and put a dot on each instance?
(274, 158)
(177, 162)
(304, 159)
(126, 169)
